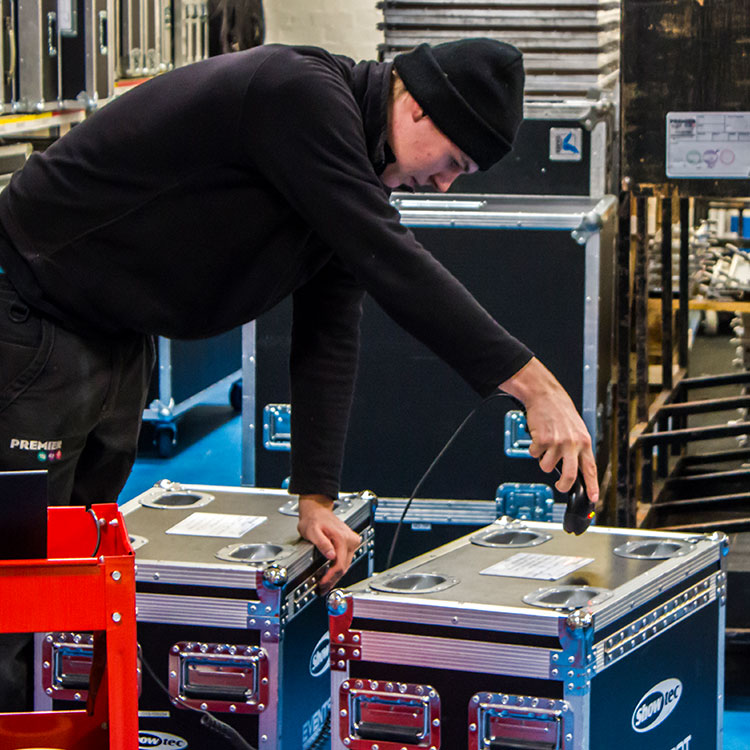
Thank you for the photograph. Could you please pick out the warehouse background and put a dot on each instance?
(348, 27)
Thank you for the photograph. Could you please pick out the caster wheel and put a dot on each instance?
(165, 440)
(235, 396)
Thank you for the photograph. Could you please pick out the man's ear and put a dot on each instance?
(415, 110)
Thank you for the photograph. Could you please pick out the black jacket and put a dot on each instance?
(203, 197)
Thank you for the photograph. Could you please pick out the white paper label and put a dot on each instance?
(540, 567)
(216, 524)
(709, 145)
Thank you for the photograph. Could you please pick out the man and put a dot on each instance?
(203, 197)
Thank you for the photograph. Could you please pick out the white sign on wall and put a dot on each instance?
(709, 145)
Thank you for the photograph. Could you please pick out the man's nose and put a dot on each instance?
(443, 180)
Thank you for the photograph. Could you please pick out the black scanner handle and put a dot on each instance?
(579, 510)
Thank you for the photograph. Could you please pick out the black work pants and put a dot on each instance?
(69, 404)
(72, 405)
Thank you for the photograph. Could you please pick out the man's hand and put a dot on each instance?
(335, 540)
(557, 430)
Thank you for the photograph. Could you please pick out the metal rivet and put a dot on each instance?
(116, 575)
(116, 617)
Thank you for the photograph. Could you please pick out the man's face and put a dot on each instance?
(424, 156)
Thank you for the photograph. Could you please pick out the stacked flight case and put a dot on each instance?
(569, 48)
(520, 636)
(60, 54)
(541, 266)
(144, 38)
(228, 618)
(158, 35)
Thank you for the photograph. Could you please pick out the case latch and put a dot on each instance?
(67, 659)
(498, 722)
(277, 427)
(219, 677)
(525, 502)
(388, 715)
(517, 438)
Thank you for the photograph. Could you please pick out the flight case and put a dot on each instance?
(145, 37)
(563, 147)
(64, 54)
(431, 522)
(229, 621)
(542, 266)
(520, 636)
(189, 373)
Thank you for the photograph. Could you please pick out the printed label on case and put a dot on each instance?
(656, 705)
(321, 656)
(685, 744)
(314, 727)
(216, 524)
(540, 567)
(565, 144)
(148, 739)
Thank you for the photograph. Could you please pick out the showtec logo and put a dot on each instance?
(656, 705)
(320, 657)
(46, 450)
(160, 739)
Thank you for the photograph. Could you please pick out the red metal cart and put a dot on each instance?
(87, 583)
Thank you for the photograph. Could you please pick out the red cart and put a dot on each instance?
(86, 583)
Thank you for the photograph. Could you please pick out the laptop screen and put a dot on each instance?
(23, 515)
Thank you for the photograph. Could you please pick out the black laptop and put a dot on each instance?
(23, 515)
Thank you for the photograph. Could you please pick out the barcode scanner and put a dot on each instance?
(579, 510)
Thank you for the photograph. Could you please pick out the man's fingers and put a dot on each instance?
(344, 546)
(568, 473)
(324, 544)
(588, 469)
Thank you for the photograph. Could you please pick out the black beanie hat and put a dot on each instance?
(472, 89)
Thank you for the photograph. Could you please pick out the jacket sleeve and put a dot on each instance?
(303, 131)
(323, 363)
